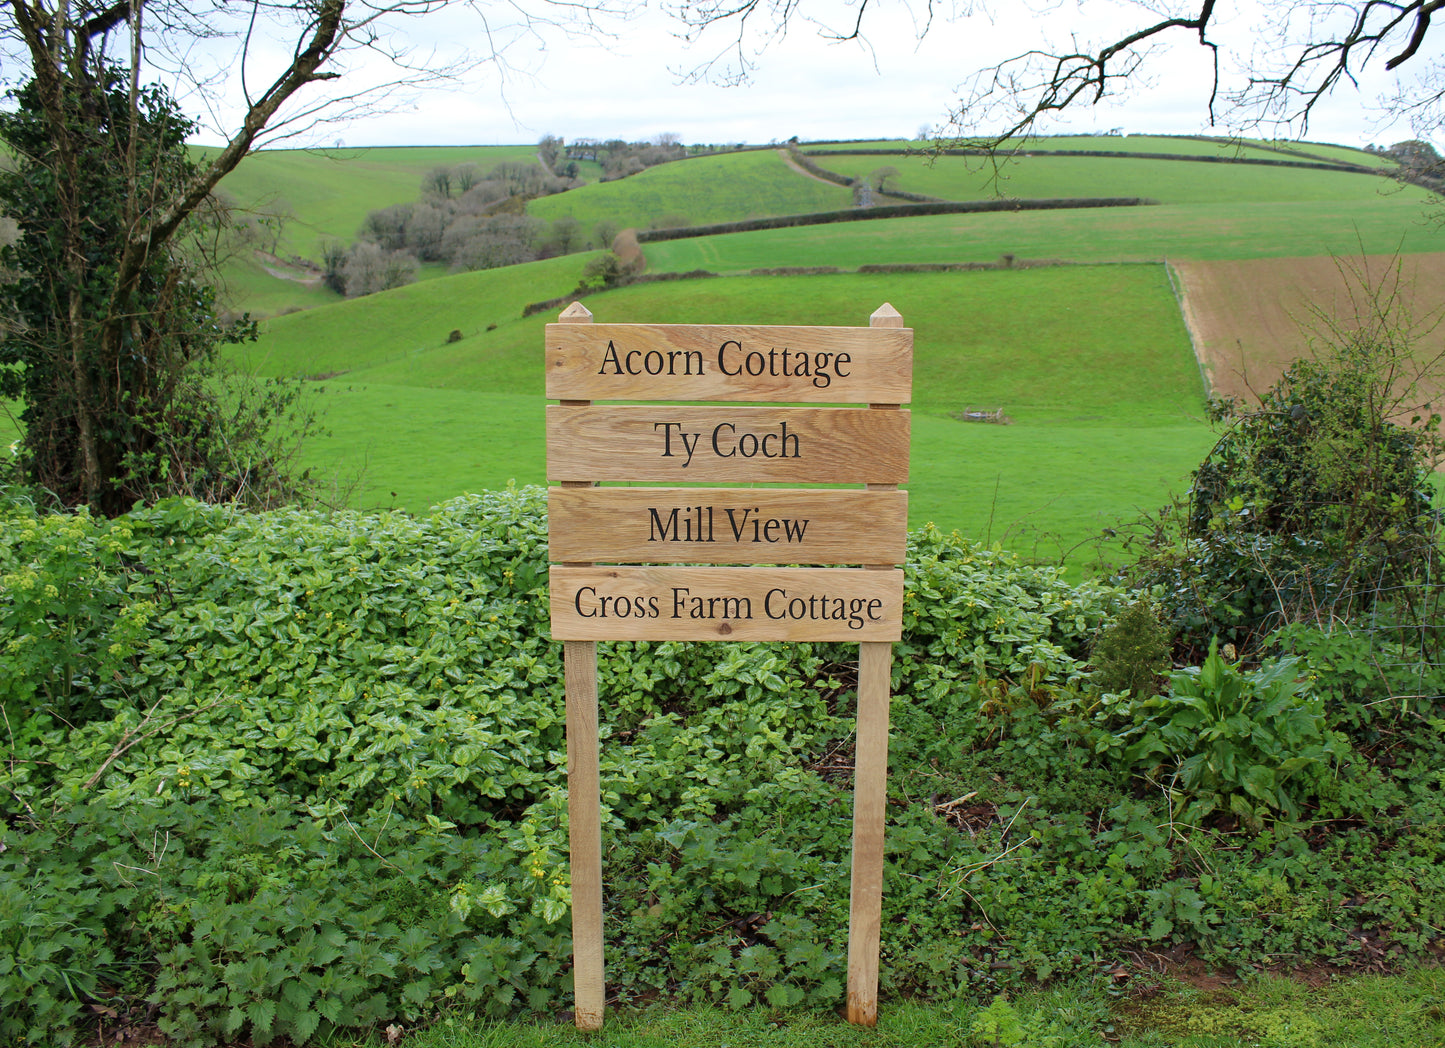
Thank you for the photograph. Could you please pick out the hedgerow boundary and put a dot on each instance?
(1006, 262)
(880, 211)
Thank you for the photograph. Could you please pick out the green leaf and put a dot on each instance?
(304, 1025)
(262, 1014)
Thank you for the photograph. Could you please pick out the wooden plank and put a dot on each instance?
(800, 604)
(727, 525)
(703, 444)
(853, 365)
(584, 832)
(870, 804)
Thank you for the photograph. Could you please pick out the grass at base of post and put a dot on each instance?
(1372, 1011)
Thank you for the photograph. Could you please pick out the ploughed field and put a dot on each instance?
(1250, 318)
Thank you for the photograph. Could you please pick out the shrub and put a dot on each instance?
(1247, 744)
(1131, 652)
(606, 270)
(320, 784)
(369, 268)
(1315, 504)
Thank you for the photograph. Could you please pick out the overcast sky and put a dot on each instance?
(631, 84)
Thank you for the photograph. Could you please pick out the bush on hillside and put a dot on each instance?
(465, 217)
(1316, 504)
(367, 269)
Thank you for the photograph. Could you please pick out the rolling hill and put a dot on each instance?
(1072, 331)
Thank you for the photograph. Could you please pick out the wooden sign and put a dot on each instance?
(799, 604)
(635, 529)
(716, 362)
(727, 525)
(764, 445)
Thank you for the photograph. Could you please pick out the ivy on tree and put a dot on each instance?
(114, 361)
(109, 321)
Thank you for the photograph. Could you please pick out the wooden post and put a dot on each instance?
(585, 833)
(870, 796)
(584, 804)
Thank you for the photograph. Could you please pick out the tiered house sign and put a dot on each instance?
(611, 547)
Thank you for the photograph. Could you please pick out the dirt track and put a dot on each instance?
(1249, 320)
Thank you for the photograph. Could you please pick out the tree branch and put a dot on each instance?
(1422, 26)
(325, 38)
(1059, 81)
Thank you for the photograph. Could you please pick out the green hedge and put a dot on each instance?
(863, 214)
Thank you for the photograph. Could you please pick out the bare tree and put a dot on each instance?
(438, 182)
(1296, 55)
(466, 176)
(566, 234)
(369, 269)
(386, 227)
(1311, 49)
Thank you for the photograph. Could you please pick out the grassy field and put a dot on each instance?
(266, 289)
(419, 420)
(412, 321)
(702, 190)
(1378, 225)
(1167, 181)
(1183, 145)
(1047, 345)
(1091, 362)
(331, 190)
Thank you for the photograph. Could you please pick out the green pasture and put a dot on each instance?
(1224, 146)
(1091, 365)
(1056, 345)
(331, 190)
(1346, 154)
(1183, 145)
(249, 285)
(1307, 212)
(726, 187)
(405, 324)
(1166, 181)
(1397, 221)
(1044, 491)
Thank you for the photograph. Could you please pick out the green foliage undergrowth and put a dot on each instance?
(272, 775)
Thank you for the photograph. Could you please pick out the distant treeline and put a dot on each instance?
(618, 158)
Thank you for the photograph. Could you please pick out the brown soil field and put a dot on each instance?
(1250, 319)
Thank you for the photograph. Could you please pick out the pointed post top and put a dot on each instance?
(886, 317)
(576, 313)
